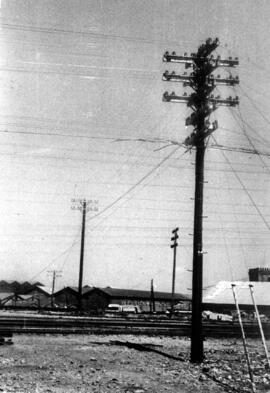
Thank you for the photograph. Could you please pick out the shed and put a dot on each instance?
(99, 298)
(38, 296)
(68, 297)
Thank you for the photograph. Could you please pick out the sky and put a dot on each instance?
(82, 116)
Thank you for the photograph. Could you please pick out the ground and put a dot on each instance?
(94, 363)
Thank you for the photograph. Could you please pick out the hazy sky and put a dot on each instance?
(81, 115)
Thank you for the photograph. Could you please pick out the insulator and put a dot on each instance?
(166, 95)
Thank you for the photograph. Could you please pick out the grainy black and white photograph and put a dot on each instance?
(134, 196)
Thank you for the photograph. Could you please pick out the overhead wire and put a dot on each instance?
(57, 30)
(134, 186)
(246, 190)
(55, 259)
(130, 190)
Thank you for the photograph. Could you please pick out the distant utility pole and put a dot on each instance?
(174, 246)
(203, 103)
(55, 273)
(84, 206)
(152, 299)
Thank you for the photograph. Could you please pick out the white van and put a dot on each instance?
(125, 308)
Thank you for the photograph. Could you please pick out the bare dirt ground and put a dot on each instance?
(92, 363)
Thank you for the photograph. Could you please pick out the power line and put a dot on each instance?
(134, 185)
(55, 259)
(68, 73)
(246, 190)
(92, 67)
(39, 29)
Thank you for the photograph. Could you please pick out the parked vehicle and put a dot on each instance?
(212, 316)
(114, 308)
(125, 308)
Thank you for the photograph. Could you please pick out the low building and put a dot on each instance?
(17, 287)
(37, 297)
(219, 298)
(97, 299)
(68, 297)
(261, 274)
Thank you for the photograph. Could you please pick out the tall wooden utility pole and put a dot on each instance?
(81, 256)
(203, 103)
(152, 298)
(174, 246)
(55, 273)
(84, 206)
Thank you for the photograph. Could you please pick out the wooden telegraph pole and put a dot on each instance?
(84, 206)
(152, 298)
(55, 274)
(202, 102)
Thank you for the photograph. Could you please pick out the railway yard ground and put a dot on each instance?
(126, 363)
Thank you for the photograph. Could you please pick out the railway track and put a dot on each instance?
(37, 324)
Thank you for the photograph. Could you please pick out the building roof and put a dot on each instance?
(85, 289)
(43, 289)
(118, 293)
(18, 287)
(222, 293)
(46, 290)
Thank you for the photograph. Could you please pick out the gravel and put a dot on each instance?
(94, 363)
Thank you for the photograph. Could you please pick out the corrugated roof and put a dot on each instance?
(15, 286)
(222, 293)
(139, 294)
